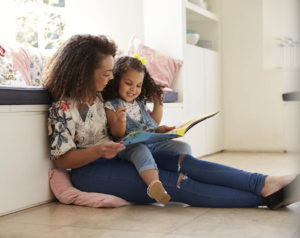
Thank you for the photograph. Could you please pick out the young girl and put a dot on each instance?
(126, 112)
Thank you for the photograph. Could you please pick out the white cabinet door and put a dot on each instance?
(173, 114)
(194, 96)
(24, 160)
(213, 102)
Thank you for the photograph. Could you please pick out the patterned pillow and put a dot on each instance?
(21, 60)
(22, 65)
(9, 75)
(37, 65)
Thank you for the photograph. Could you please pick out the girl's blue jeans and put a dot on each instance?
(141, 155)
(204, 183)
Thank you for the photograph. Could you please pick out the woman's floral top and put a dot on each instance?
(76, 127)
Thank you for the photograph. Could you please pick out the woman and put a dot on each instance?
(79, 140)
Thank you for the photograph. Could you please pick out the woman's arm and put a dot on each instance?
(116, 121)
(157, 112)
(78, 158)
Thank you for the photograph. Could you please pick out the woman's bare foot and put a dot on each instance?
(275, 183)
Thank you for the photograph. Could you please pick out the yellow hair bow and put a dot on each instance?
(142, 59)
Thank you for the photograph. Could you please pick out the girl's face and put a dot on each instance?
(103, 74)
(131, 85)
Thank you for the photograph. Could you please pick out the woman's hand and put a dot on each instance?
(164, 129)
(109, 149)
(121, 114)
(78, 158)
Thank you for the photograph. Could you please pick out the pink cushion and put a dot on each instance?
(65, 192)
(162, 68)
(21, 59)
(9, 74)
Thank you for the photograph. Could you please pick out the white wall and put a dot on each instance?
(119, 19)
(253, 121)
(254, 112)
(281, 19)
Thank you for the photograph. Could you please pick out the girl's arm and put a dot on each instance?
(78, 158)
(116, 121)
(157, 112)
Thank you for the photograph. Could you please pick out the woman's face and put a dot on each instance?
(131, 85)
(103, 74)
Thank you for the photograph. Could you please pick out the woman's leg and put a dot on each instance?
(211, 173)
(111, 176)
(121, 179)
(140, 155)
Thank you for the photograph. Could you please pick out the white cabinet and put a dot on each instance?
(213, 102)
(203, 95)
(204, 22)
(24, 157)
(198, 82)
(194, 96)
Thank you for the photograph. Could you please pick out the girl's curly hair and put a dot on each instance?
(149, 87)
(70, 72)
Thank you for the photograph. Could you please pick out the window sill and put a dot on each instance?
(23, 96)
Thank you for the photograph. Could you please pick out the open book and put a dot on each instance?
(179, 131)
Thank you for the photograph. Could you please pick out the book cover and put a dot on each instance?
(179, 131)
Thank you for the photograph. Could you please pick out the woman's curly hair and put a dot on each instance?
(149, 87)
(70, 72)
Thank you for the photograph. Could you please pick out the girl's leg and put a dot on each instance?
(141, 157)
(149, 176)
(211, 173)
(120, 178)
(171, 146)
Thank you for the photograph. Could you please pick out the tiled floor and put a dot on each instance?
(57, 220)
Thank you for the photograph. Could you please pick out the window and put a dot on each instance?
(40, 23)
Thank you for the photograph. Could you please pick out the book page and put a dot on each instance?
(148, 137)
(187, 124)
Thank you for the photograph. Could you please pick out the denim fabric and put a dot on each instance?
(147, 124)
(141, 155)
(206, 184)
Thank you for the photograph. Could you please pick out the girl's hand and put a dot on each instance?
(109, 149)
(164, 129)
(157, 98)
(121, 114)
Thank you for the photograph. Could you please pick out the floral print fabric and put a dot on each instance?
(37, 65)
(22, 65)
(9, 75)
(68, 130)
